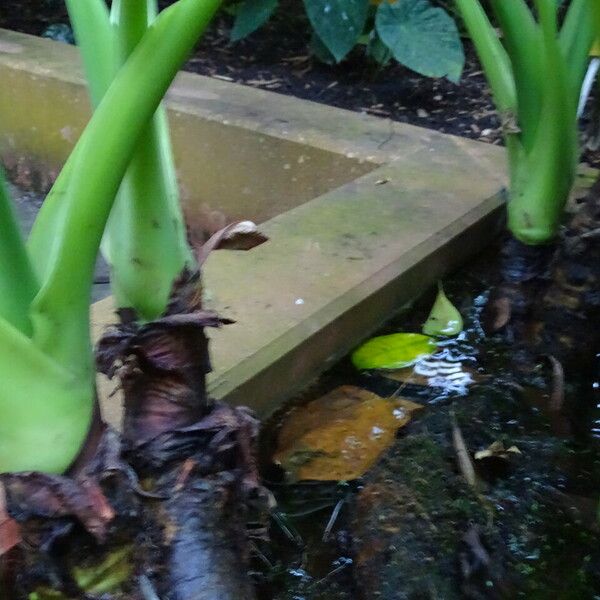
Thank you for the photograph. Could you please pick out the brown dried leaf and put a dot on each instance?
(241, 235)
(32, 495)
(340, 435)
(497, 450)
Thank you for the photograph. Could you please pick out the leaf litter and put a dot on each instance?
(339, 436)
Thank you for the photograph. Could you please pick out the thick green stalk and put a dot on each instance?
(61, 309)
(18, 284)
(539, 196)
(576, 38)
(47, 392)
(541, 140)
(522, 39)
(45, 235)
(492, 55)
(93, 32)
(95, 39)
(145, 242)
(595, 7)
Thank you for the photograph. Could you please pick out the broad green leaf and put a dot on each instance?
(251, 15)
(444, 318)
(377, 50)
(320, 51)
(422, 37)
(393, 351)
(338, 23)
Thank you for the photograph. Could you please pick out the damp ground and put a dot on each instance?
(413, 526)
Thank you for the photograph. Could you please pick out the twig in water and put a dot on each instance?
(260, 555)
(333, 519)
(344, 564)
(462, 454)
(557, 392)
(287, 528)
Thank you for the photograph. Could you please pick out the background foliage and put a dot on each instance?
(416, 33)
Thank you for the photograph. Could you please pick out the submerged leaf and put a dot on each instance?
(437, 372)
(444, 318)
(339, 436)
(394, 351)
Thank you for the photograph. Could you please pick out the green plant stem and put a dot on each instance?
(546, 173)
(47, 391)
(576, 37)
(540, 119)
(494, 59)
(522, 39)
(61, 309)
(18, 284)
(95, 38)
(145, 242)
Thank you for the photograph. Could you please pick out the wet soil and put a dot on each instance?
(412, 527)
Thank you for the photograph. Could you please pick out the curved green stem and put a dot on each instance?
(61, 308)
(523, 42)
(18, 284)
(576, 38)
(492, 55)
(145, 242)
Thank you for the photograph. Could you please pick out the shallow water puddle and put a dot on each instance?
(438, 371)
(403, 525)
(339, 436)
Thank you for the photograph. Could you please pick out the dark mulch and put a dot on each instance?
(277, 58)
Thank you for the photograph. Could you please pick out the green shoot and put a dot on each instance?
(145, 242)
(535, 74)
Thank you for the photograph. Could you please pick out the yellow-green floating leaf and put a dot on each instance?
(393, 351)
(444, 318)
